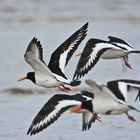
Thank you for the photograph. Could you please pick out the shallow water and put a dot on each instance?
(52, 22)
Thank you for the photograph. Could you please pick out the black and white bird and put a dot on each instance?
(97, 48)
(57, 105)
(53, 74)
(111, 99)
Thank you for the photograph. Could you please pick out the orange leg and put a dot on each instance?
(63, 88)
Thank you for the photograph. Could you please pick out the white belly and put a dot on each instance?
(103, 107)
(113, 53)
(47, 82)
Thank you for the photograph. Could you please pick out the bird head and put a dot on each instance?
(29, 76)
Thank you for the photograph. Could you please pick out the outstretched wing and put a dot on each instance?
(100, 91)
(64, 52)
(120, 43)
(91, 54)
(34, 57)
(51, 111)
(120, 88)
(87, 120)
(113, 39)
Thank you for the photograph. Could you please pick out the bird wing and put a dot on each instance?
(34, 57)
(101, 91)
(91, 54)
(117, 40)
(120, 43)
(87, 120)
(120, 88)
(61, 56)
(51, 111)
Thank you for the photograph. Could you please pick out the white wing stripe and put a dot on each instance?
(133, 85)
(96, 50)
(63, 58)
(128, 48)
(64, 55)
(123, 89)
(60, 105)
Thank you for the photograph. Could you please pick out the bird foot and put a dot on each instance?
(131, 118)
(96, 117)
(126, 62)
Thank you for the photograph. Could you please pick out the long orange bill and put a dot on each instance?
(77, 109)
(78, 54)
(23, 78)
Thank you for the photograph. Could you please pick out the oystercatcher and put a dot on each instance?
(97, 48)
(57, 105)
(111, 99)
(53, 74)
(122, 86)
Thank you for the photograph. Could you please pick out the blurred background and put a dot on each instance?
(52, 22)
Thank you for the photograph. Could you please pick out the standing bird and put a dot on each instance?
(57, 105)
(112, 99)
(97, 48)
(53, 74)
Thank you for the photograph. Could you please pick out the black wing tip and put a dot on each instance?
(116, 39)
(75, 83)
(32, 131)
(138, 96)
(84, 28)
(94, 41)
(29, 132)
(86, 25)
(79, 75)
(86, 127)
(36, 41)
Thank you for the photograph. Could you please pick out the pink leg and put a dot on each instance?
(78, 54)
(63, 88)
(131, 118)
(96, 117)
(125, 58)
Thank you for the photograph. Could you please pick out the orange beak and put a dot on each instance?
(77, 109)
(78, 54)
(23, 78)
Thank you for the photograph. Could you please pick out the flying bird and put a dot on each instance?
(52, 75)
(97, 48)
(57, 105)
(111, 99)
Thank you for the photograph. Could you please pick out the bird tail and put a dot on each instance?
(75, 82)
(133, 108)
(135, 51)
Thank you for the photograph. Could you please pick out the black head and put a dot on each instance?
(31, 76)
(87, 105)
